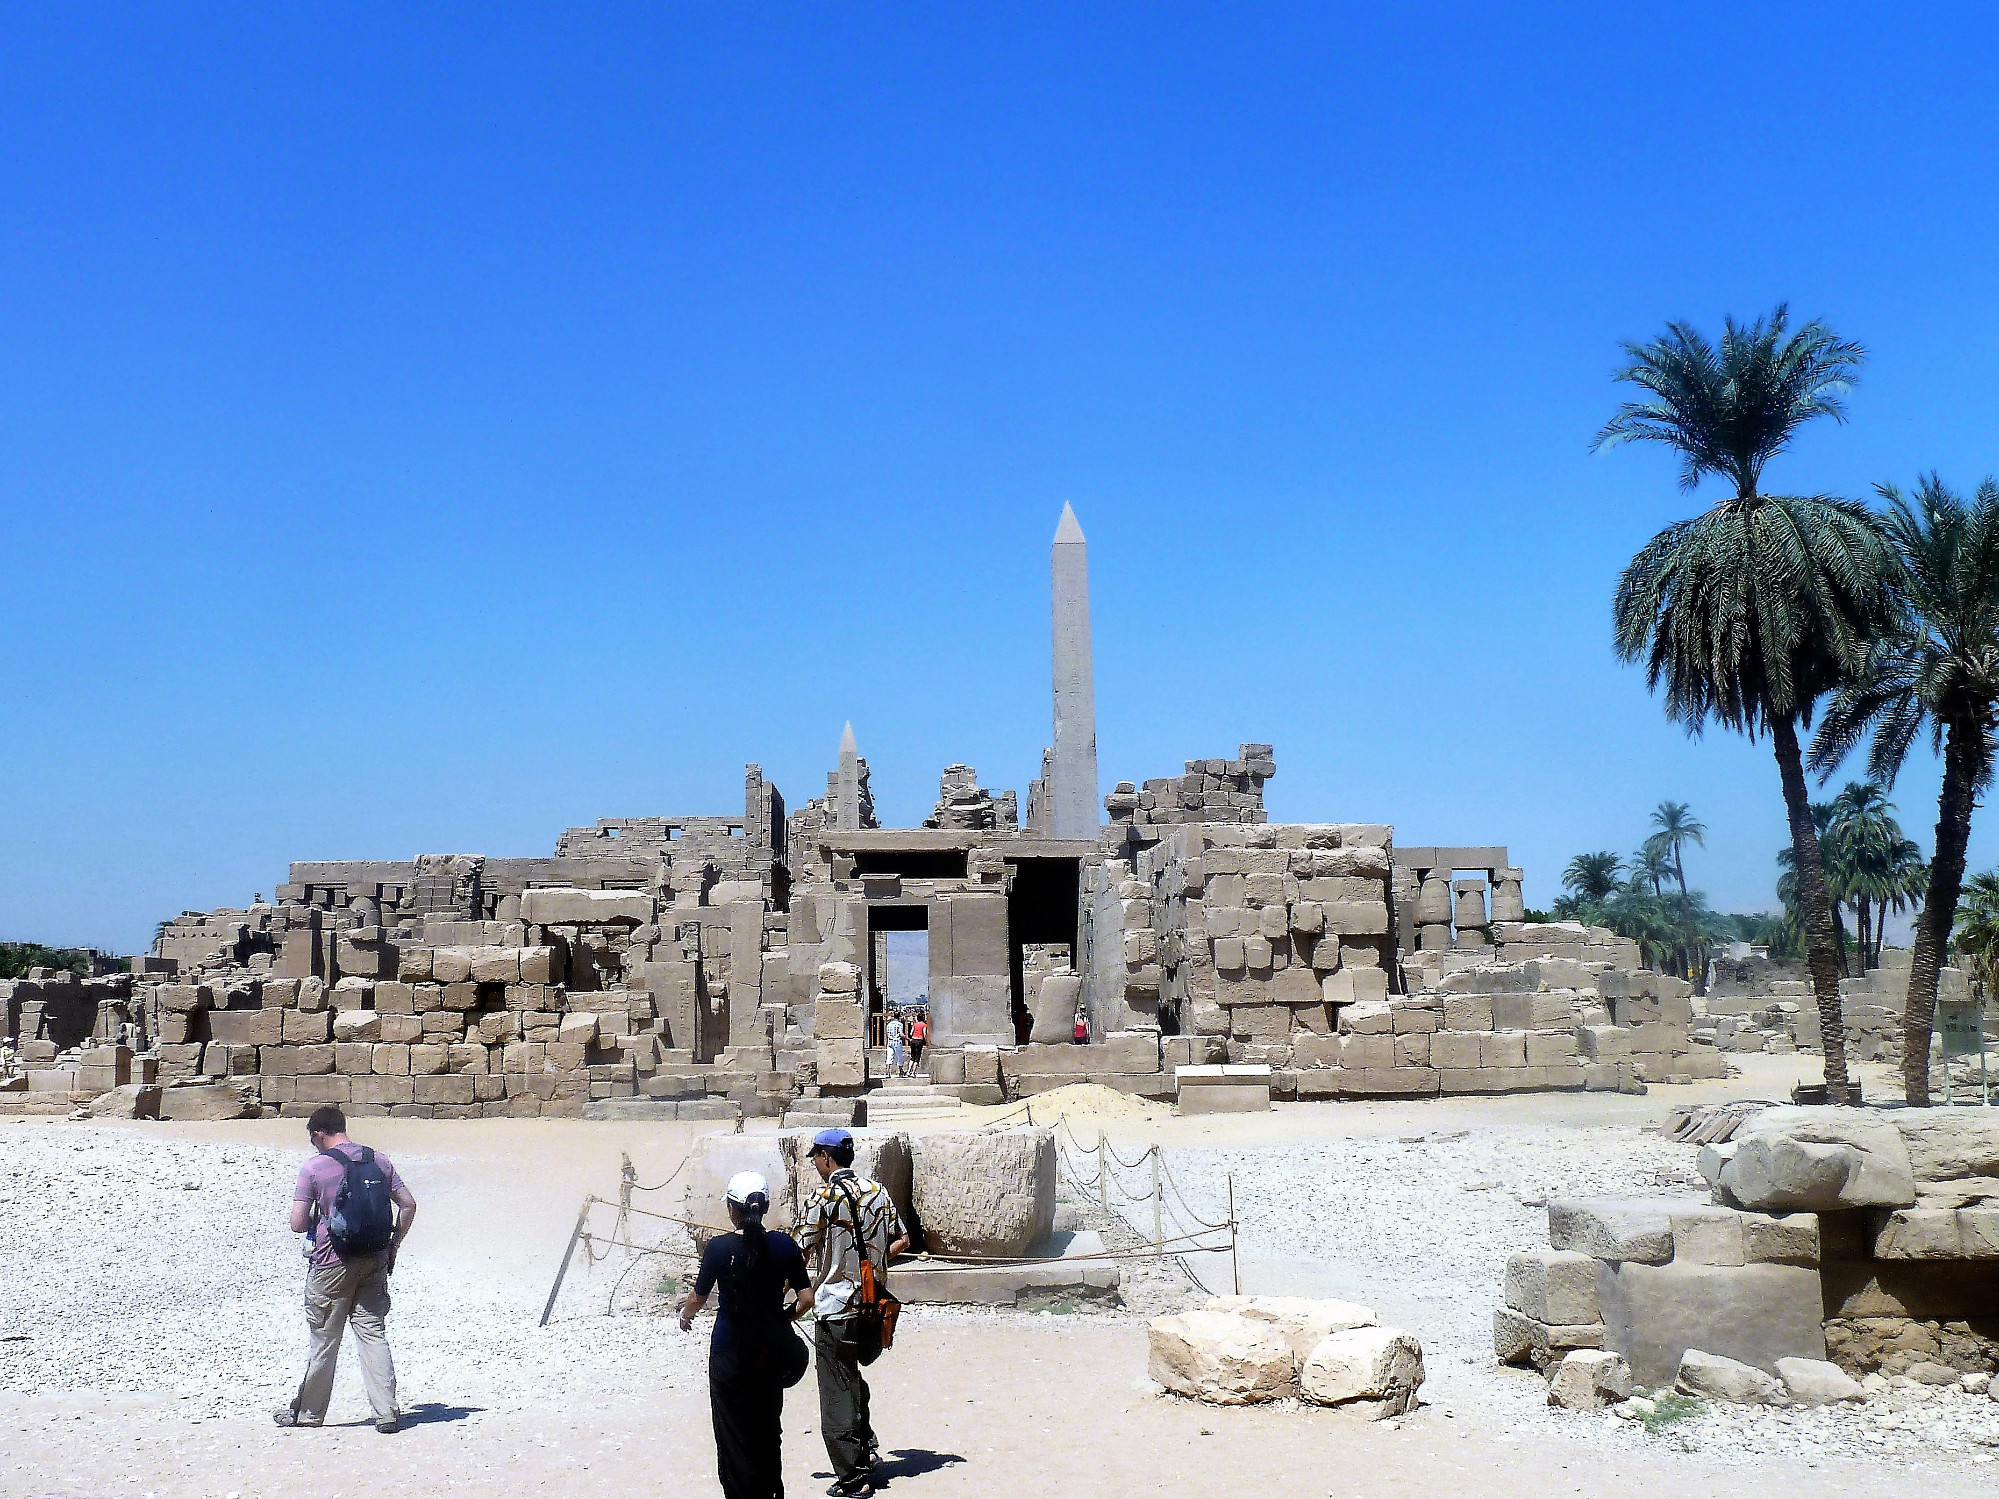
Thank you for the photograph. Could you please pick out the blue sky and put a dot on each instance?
(425, 429)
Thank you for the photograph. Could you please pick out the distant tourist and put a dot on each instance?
(355, 1212)
(919, 1037)
(1082, 1032)
(850, 1217)
(893, 1034)
(753, 1355)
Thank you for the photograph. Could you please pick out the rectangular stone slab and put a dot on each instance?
(1756, 1314)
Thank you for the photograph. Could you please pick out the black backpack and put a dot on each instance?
(363, 1220)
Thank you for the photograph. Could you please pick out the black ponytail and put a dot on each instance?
(753, 1230)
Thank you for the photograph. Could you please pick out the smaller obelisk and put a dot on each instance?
(1075, 769)
(850, 782)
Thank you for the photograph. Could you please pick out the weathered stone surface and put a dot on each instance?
(1054, 1008)
(1707, 1236)
(716, 1158)
(1520, 1339)
(207, 1101)
(1753, 1313)
(1619, 1229)
(1787, 1239)
(1819, 1160)
(1713, 1377)
(1375, 1370)
(128, 1101)
(1304, 1321)
(1553, 1286)
(1221, 1358)
(560, 906)
(1814, 1381)
(1589, 1379)
(1950, 1144)
(990, 1193)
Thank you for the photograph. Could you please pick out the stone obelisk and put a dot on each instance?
(1074, 793)
(850, 782)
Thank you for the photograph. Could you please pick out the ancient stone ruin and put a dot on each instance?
(720, 966)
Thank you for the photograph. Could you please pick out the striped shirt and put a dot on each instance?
(827, 1238)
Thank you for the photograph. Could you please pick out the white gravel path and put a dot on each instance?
(1419, 1227)
(142, 1265)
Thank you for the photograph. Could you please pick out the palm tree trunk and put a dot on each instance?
(1866, 932)
(1939, 909)
(1680, 869)
(1821, 945)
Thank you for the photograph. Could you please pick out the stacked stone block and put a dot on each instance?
(1210, 791)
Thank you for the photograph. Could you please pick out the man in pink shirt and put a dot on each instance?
(347, 1282)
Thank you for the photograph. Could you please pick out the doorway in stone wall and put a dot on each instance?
(898, 974)
(1043, 907)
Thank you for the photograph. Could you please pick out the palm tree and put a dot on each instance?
(1651, 865)
(1938, 663)
(1592, 877)
(1750, 612)
(1675, 826)
(1977, 922)
(1869, 837)
(1837, 873)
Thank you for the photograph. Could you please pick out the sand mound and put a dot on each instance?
(1091, 1103)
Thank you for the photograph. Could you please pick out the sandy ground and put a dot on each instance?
(147, 1326)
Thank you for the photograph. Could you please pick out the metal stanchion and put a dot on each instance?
(567, 1255)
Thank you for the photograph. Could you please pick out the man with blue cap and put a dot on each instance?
(848, 1218)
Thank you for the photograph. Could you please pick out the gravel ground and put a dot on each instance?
(136, 1265)
(1419, 1227)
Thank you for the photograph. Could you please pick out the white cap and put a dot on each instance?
(746, 1184)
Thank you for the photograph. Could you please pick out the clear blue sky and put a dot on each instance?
(423, 429)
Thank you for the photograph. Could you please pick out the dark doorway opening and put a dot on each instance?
(912, 864)
(1045, 906)
(898, 967)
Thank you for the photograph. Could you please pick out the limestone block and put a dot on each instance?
(1267, 1023)
(381, 1090)
(1589, 1379)
(496, 965)
(451, 965)
(1605, 1043)
(842, 1064)
(1308, 917)
(1708, 1236)
(991, 1193)
(1503, 1049)
(559, 906)
(1819, 1159)
(1054, 1008)
(1556, 1286)
(1133, 1051)
(1520, 1339)
(1221, 1358)
(578, 1028)
(1613, 1228)
(357, 1025)
(426, 1059)
(1257, 954)
(1652, 1314)
(1366, 1018)
(249, 1027)
(839, 978)
(1471, 1012)
(465, 1058)
(1454, 1050)
(982, 1065)
(1304, 1321)
(351, 1057)
(452, 1088)
(1815, 1381)
(207, 1101)
(1297, 986)
(1714, 1377)
(388, 1059)
(1355, 985)
(1415, 1017)
(841, 1020)
(1377, 1370)
(1229, 952)
(1356, 918)
(1550, 1048)
(1789, 1239)
(1949, 1144)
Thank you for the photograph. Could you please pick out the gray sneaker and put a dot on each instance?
(388, 1426)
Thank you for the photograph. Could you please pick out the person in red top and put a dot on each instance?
(1082, 1031)
(919, 1035)
(344, 1293)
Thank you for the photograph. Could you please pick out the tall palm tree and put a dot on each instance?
(1592, 877)
(1675, 826)
(1750, 612)
(1938, 664)
(1869, 838)
(1838, 873)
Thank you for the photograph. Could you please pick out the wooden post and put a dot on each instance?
(1103, 1174)
(567, 1255)
(1158, 1230)
(1235, 1265)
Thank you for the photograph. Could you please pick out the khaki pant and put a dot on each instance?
(350, 1293)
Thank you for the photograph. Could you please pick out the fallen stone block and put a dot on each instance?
(1556, 1286)
(1221, 1358)
(1755, 1314)
(128, 1101)
(1520, 1339)
(1818, 1159)
(1589, 1379)
(1814, 1381)
(207, 1101)
(1304, 1321)
(1374, 1372)
(1713, 1377)
(989, 1194)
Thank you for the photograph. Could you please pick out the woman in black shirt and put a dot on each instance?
(750, 1356)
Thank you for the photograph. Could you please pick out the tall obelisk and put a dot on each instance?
(849, 810)
(1074, 793)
